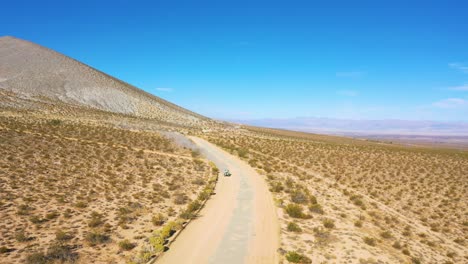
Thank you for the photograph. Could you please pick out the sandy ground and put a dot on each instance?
(238, 224)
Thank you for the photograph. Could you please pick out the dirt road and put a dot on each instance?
(237, 225)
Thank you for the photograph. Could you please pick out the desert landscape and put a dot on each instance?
(96, 170)
(344, 200)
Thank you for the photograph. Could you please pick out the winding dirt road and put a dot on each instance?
(237, 225)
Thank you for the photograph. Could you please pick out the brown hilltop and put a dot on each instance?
(36, 74)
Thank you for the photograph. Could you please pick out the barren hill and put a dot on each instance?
(33, 74)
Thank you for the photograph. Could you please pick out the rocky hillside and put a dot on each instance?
(31, 75)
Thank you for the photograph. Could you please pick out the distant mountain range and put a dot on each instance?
(363, 127)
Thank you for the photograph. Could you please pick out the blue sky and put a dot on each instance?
(269, 59)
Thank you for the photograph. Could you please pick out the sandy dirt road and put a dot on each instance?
(237, 225)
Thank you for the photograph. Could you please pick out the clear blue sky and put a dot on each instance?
(260, 59)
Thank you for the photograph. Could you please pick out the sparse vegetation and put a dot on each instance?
(75, 204)
(295, 257)
(295, 211)
(371, 189)
(126, 245)
(293, 227)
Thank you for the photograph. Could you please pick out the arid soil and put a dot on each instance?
(74, 192)
(350, 201)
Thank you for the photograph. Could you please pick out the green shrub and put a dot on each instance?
(61, 253)
(158, 220)
(396, 245)
(81, 204)
(56, 253)
(52, 215)
(158, 239)
(126, 245)
(276, 187)
(295, 211)
(294, 257)
(180, 198)
(386, 234)
(36, 258)
(4, 249)
(21, 236)
(196, 153)
(313, 199)
(299, 197)
(55, 122)
(242, 153)
(96, 219)
(191, 210)
(370, 241)
(62, 236)
(293, 227)
(97, 237)
(328, 223)
(203, 195)
(316, 208)
(198, 181)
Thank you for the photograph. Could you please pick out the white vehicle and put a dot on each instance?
(227, 173)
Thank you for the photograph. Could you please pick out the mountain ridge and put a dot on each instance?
(33, 72)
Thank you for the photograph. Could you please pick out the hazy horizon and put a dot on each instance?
(362, 127)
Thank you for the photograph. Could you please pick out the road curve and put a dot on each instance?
(237, 225)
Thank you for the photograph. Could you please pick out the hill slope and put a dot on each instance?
(37, 74)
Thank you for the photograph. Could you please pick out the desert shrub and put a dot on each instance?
(36, 258)
(386, 234)
(276, 187)
(62, 236)
(21, 236)
(294, 257)
(23, 209)
(61, 253)
(55, 122)
(126, 245)
(357, 200)
(358, 223)
(158, 239)
(4, 249)
(195, 153)
(191, 209)
(180, 198)
(396, 245)
(415, 260)
(451, 254)
(158, 220)
(295, 211)
(316, 208)
(52, 215)
(313, 199)
(67, 213)
(293, 227)
(299, 197)
(96, 219)
(37, 220)
(328, 223)
(370, 241)
(242, 152)
(81, 204)
(96, 237)
(203, 195)
(198, 181)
